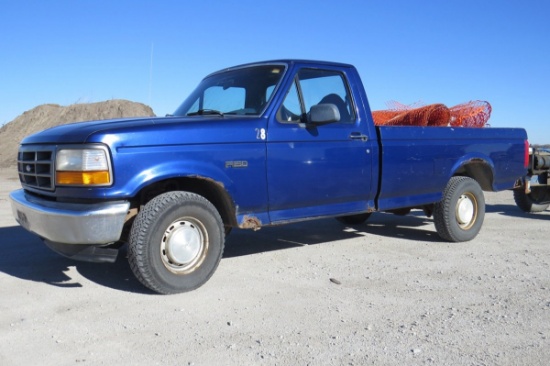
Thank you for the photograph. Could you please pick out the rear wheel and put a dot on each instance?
(530, 202)
(176, 242)
(459, 215)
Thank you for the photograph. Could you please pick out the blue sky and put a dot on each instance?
(155, 52)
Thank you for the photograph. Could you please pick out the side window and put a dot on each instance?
(313, 87)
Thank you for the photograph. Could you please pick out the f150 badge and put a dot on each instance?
(236, 164)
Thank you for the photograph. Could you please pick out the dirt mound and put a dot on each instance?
(50, 115)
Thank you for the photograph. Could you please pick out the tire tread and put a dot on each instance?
(443, 219)
(138, 244)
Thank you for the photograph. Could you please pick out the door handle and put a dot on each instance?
(358, 136)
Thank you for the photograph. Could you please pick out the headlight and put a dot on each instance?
(74, 166)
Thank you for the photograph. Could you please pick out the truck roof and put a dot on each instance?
(288, 62)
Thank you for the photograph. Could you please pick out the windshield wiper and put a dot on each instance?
(204, 112)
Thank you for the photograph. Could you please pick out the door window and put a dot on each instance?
(312, 87)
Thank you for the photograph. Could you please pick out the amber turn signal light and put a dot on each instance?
(82, 178)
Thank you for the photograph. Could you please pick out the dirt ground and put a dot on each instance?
(402, 297)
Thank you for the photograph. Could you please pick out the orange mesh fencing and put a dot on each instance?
(382, 117)
(471, 114)
(430, 115)
(396, 106)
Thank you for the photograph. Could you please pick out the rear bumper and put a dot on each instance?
(70, 223)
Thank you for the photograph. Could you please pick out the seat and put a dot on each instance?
(340, 104)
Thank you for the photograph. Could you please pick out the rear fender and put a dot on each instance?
(477, 166)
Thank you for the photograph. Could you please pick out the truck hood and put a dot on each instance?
(146, 131)
(74, 133)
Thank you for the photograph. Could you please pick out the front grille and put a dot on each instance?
(35, 167)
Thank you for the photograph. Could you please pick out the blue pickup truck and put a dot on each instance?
(267, 143)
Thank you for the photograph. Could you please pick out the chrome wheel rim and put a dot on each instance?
(184, 245)
(466, 211)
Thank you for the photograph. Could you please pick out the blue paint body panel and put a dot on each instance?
(280, 172)
(417, 162)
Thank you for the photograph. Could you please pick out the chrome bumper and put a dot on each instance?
(70, 223)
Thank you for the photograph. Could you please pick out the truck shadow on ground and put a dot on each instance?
(412, 227)
(514, 211)
(24, 256)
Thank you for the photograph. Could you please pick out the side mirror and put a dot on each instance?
(324, 113)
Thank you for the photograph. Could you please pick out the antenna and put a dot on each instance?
(151, 73)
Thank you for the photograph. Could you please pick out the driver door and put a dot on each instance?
(317, 169)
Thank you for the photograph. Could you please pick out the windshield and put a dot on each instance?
(243, 91)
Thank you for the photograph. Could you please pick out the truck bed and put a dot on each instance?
(417, 162)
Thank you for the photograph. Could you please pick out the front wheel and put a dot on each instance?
(176, 242)
(459, 215)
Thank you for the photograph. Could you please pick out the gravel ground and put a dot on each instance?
(388, 292)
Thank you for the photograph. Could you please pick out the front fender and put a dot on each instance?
(174, 170)
(238, 168)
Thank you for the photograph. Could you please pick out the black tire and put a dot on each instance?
(459, 215)
(176, 242)
(354, 219)
(529, 202)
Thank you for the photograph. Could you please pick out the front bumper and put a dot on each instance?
(70, 223)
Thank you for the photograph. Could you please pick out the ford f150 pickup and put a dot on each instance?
(260, 144)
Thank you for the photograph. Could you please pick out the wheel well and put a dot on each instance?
(479, 170)
(207, 188)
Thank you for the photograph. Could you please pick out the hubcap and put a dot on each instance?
(466, 211)
(184, 245)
